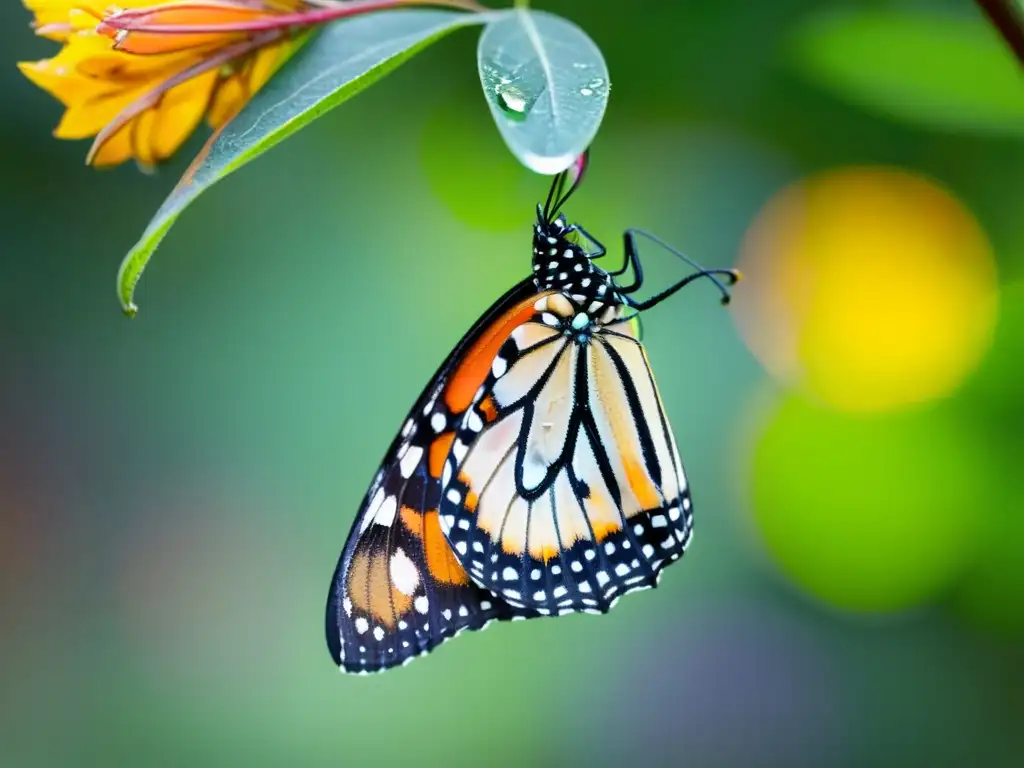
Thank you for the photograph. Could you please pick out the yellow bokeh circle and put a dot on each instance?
(870, 287)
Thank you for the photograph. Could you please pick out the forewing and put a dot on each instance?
(398, 591)
(568, 491)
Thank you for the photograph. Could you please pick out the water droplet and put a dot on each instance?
(586, 92)
(597, 82)
(579, 65)
(512, 100)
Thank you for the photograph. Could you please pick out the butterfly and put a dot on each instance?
(536, 474)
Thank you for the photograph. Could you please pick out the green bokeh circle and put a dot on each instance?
(871, 514)
(999, 379)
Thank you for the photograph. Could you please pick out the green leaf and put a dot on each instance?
(942, 71)
(340, 61)
(547, 85)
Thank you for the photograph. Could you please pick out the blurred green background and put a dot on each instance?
(175, 489)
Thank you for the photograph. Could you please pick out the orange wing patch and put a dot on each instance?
(471, 499)
(444, 567)
(439, 452)
(371, 590)
(467, 378)
(602, 530)
(643, 487)
(489, 409)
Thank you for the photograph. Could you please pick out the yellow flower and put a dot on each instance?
(140, 78)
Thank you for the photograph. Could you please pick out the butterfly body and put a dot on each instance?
(536, 474)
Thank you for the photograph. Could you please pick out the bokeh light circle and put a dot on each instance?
(1000, 378)
(869, 514)
(869, 287)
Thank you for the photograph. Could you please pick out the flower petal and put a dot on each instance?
(179, 112)
(116, 150)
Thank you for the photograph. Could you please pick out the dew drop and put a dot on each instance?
(586, 92)
(512, 100)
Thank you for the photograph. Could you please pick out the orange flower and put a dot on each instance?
(141, 78)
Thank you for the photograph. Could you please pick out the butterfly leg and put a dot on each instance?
(600, 249)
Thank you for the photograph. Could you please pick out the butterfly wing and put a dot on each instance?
(567, 489)
(398, 590)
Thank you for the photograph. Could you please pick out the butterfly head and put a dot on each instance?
(560, 261)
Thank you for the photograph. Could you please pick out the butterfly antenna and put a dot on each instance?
(574, 175)
(731, 275)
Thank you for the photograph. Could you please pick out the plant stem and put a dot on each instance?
(126, 20)
(1005, 15)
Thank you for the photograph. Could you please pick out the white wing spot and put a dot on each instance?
(509, 574)
(404, 574)
(559, 591)
(362, 625)
(602, 578)
(410, 461)
(371, 511)
(378, 633)
(648, 550)
(609, 547)
(621, 569)
(386, 515)
(346, 604)
(421, 603)
(438, 422)
(459, 451)
(658, 521)
(498, 367)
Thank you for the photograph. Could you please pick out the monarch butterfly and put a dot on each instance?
(535, 475)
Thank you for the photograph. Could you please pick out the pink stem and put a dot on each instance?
(310, 18)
